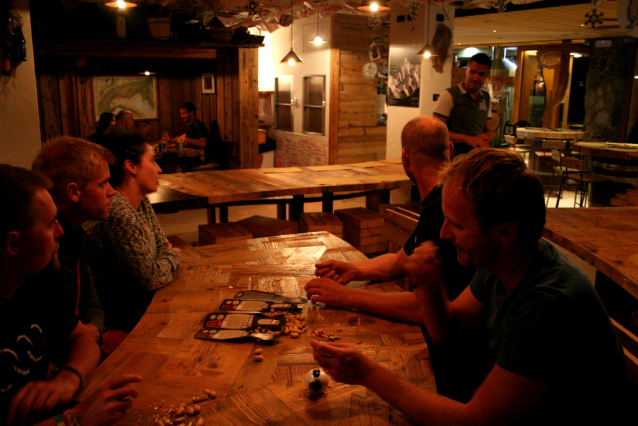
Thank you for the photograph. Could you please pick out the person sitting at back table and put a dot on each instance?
(196, 136)
(106, 120)
(426, 150)
(36, 318)
(81, 191)
(135, 257)
(125, 125)
(558, 358)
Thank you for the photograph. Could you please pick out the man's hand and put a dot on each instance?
(108, 404)
(479, 141)
(424, 264)
(177, 249)
(35, 400)
(328, 291)
(341, 272)
(94, 331)
(344, 363)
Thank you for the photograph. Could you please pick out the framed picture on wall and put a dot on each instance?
(136, 94)
(208, 82)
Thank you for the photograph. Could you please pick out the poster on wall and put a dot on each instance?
(404, 77)
(136, 94)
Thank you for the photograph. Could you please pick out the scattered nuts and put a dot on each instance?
(180, 411)
(200, 422)
(294, 335)
(258, 351)
(200, 398)
(259, 358)
(197, 408)
(190, 411)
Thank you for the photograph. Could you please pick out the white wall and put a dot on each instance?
(316, 61)
(19, 118)
(410, 34)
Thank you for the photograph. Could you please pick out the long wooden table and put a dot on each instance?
(241, 186)
(175, 366)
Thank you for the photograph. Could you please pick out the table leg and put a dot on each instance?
(327, 202)
(281, 211)
(210, 214)
(296, 207)
(223, 213)
(373, 201)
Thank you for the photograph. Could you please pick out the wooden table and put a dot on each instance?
(170, 158)
(241, 186)
(175, 366)
(606, 238)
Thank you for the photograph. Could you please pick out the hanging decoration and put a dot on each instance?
(374, 23)
(594, 18)
(413, 11)
(501, 6)
(441, 44)
(285, 20)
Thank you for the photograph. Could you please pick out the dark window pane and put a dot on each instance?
(313, 120)
(314, 90)
(283, 89)
(284, 117)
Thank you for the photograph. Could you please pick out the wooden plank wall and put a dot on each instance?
(354, 134)
(66, 96)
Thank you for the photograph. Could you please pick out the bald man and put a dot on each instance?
(426, 150)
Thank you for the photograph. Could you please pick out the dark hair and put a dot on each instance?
(104, 122)
(66, 159)
(17, 192)
(189, 106)
(127, 147)
(482, 59)
(501, 188)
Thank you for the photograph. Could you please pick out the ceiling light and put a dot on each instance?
(317, 39)
(291, 58)
(121, 4)
(147, 73)
(374, 6)
(427, 51)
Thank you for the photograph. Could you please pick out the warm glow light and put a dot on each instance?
(291, 62)
(426, 55)
(318, 40)
(121, 4)
(374, 7)
(147, 73)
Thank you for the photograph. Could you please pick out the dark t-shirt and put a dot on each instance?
(37, 318)
(553, 328)
(457, 277)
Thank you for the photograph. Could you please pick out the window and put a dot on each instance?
(283, 103)
(314, 108)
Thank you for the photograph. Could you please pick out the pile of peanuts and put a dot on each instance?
(180, 416)
(295, 325)
(322, 334)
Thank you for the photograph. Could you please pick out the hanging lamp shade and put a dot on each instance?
(317, 39)
(373, 6)
(121, 4)
(291, 58)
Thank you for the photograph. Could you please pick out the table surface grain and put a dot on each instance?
(605, 237)
(222, 186)
(175, 366)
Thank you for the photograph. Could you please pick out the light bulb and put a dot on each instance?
(426, 55)
(318, 39)
(291, 62)
(147, 73)
(374, 7)
(121, 4)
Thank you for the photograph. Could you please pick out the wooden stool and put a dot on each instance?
(363, 229)
(262, 226)
(313, 222)
(222, 233)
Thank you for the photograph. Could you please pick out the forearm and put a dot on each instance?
(460, 138)
(201, 142)
(84, 356)
(383, 268)
(398, 306)
(436, 312)
(421, 406)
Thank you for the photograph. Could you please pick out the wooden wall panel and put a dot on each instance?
(354, 134)
(65, 90)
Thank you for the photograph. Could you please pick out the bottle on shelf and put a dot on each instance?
(20, 45)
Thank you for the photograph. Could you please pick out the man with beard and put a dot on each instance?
(81, 191)
(34, 318)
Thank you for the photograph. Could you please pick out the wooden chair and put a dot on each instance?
(509, 134)
(574, 169)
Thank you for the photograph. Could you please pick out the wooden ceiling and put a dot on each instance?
(537, 26)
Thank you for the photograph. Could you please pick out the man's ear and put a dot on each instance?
(451, 149)
(507, 231)
(10, 242)
(73, 192)
(130, 167)
(405, 158)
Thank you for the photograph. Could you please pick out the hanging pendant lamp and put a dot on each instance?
(373, 6)
(317, 39)
(291, 58)
(121, 4)
(427, 51)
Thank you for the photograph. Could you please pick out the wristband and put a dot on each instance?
(74, 370)
(69, 419)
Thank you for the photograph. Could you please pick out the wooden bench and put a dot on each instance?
(314, 222)
(178, 242)
(399, 223)
(362, 228)
(222, 232)
(262, 226)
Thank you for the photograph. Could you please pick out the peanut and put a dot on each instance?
(258, 351)
(180, 411)
(294, 335)
(259, 358)
(200, 398)
(200, 422)
(190, 411)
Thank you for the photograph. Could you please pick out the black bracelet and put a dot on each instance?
(74, 370)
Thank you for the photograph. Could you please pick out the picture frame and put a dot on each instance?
(208, 83)
(137, 94)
